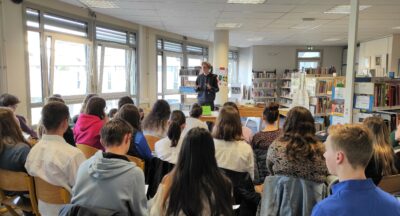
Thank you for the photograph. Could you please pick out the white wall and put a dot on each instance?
(3, 78)
(284, 57)
(376, 48)
(245, 65)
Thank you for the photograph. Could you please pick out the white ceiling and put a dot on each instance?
(271, 21)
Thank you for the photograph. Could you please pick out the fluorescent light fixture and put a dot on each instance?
(255, 39)
(100, 3)
(228, 25)
(396, 28)
(306, 26)
(344, 9)
(331, 39)
(246, 1)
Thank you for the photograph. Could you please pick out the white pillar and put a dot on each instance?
(221, 49)
(350, 74)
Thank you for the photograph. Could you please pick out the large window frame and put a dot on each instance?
(93, 84)
(317, 60)
(186, 51)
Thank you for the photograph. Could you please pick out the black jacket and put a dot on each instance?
(204, 94)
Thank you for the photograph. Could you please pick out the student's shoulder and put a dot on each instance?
(388, 198)
(324, 207)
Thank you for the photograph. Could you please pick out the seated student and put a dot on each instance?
(112, 113)
(246, 132)
(125, 100)
(87, 128)
(108, 179)
(348, 150)
(14, 148)
(231, 151)
(69, 134)
(155, 122)
(83, 107)
(11, 101)
(263, 139)
(298, 153)
(194, 121)
(139, 146)
(195, 186)
(52, 159)
(383, 162)
(167, 149)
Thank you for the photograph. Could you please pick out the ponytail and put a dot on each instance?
(177, 119)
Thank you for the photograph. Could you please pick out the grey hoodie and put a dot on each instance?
(110, 183)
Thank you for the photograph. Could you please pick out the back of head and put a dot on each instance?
(158, 116)
(229, 103)
(125, 100)
(113, 132)
(228, 126)
(383, 151)
(96, 106)
(196, 111)
(8, 100)
(196, 178)
(55, 99)
(10, 132)
(271, 112)
(130, 113)
(299, 133)
(112, 113)
(176, 121)
(85, 101)
(355, 141)
(53, 114)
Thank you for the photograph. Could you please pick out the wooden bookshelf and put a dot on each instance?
(264, 87)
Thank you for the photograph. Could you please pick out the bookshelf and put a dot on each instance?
(188, 84)
(285, 80)
(264, 87)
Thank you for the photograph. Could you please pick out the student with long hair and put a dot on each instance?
(167, 149)
(195, 186)
(155, 123)
(139, 147)
(231, 151)
(14, 148)
(263, 139)
(298, 153)
(87, 128)
(83, 107)
(383, 162)
(246, 132)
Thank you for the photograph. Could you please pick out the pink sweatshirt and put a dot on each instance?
(87, 130)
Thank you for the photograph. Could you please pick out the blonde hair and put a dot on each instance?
(355, 141)
(383, 151)
(10, 132)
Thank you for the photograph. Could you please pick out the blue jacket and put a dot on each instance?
(358, 197)
(290, 196)
(139, 147)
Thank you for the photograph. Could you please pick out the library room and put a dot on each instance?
(200, 107)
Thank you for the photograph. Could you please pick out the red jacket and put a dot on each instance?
(87, 130)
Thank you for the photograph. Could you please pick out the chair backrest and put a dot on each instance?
(88, 151)
(49, 193)
(17, 182)
(139, 162)
(151, 140)
(390, 184)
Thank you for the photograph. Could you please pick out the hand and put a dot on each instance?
(208, 86)
(259, 188)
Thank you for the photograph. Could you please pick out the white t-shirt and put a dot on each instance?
(165, 152)
(192, 123)
(234, 155)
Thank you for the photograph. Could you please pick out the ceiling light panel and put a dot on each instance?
(246, 1)
(100, 3)
(344, 9)
(228, 25)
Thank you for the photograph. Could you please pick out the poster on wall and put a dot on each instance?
(222, 74)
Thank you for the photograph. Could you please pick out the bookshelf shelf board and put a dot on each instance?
(264, 88)
(286, 97)
(285, 87)
(322, 95)
(255, 97)
(385, 108)
(274, 79)
(285, 79)
(285, 105)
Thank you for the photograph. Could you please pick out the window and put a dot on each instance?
(67, 57)
(233, 63)
(308, 59)
(171, 56)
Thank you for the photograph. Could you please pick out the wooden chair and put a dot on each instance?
(88, 151)
(139, 162)
(151, 141)
(17, 182)
(390, 184)
(49, 193)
